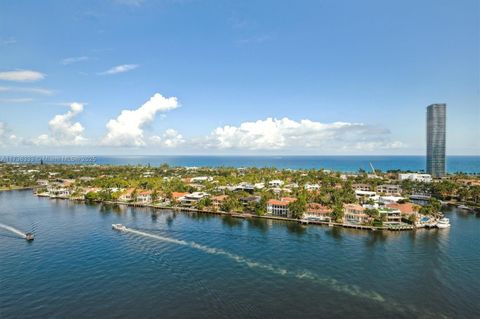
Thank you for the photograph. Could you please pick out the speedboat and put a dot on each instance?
(464, 207)
(443, 223)
(119, 227)
(29, 237)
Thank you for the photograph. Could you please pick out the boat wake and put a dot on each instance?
(13, 230)
(304, 275)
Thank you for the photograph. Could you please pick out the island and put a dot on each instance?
(393, 200)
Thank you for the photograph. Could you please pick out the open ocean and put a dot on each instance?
(467, 164)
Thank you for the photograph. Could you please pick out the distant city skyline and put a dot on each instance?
(236, 78)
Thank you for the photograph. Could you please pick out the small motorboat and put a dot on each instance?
(443, 223)
(464, 207)
(119, 227)
(29, 237)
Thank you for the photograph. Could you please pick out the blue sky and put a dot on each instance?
(236, 77)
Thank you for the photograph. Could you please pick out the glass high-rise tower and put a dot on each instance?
(436, 133)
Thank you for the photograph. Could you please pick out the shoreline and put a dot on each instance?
(246, 215)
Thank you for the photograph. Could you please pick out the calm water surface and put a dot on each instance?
(201, 266)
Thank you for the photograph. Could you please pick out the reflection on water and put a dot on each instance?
(258, 224)
(230, 221)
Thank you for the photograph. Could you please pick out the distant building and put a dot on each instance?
(275, 183)
(361, 187)
(436, 133)
(389, 189)
(416, 177)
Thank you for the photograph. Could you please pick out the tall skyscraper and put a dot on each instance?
(436, 133)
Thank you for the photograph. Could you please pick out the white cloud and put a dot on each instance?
(40, 91)
(6, 136)
(62, 131)
(127, 128)
(21, 76)
(16, 100)
(293, 136)
(120, 69)
(75, 59)
(171, 138)
(130, 2)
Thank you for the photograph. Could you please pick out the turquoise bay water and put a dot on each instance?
(180, 265)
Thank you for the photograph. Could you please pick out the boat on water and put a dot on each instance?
(443, 223)
(29, 237)
(464, 207)
(119, 227)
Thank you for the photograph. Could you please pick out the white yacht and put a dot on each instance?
(119, 227)
(443, 223)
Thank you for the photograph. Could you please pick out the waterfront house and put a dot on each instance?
(177, 196)
(390, 216)
(218, 200)
(127, 195)
(317, 211)
(192, 199)
(406, 209)
(250, 200)
(58, 191)
(279, 207)
(389, 189)
(144, 196)
(354, 214)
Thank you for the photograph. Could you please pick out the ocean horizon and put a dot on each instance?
(342, 163)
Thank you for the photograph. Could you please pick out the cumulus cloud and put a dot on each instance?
(127, 128)
(290, 135)
(120, 69)
(62, 131)
(74, 59)
(171, 138)
(21, 76)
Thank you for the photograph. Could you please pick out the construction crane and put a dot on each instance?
(373, 169)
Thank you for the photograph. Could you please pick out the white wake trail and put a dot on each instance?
(305, 275)
(13, 230)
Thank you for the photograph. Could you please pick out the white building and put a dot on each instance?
(279, 207)
(193, 198)
(312, 187)
(389, 189)
(200, 179)
(417, 177)
(276, 183)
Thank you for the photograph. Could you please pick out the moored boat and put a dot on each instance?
(443, 223)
